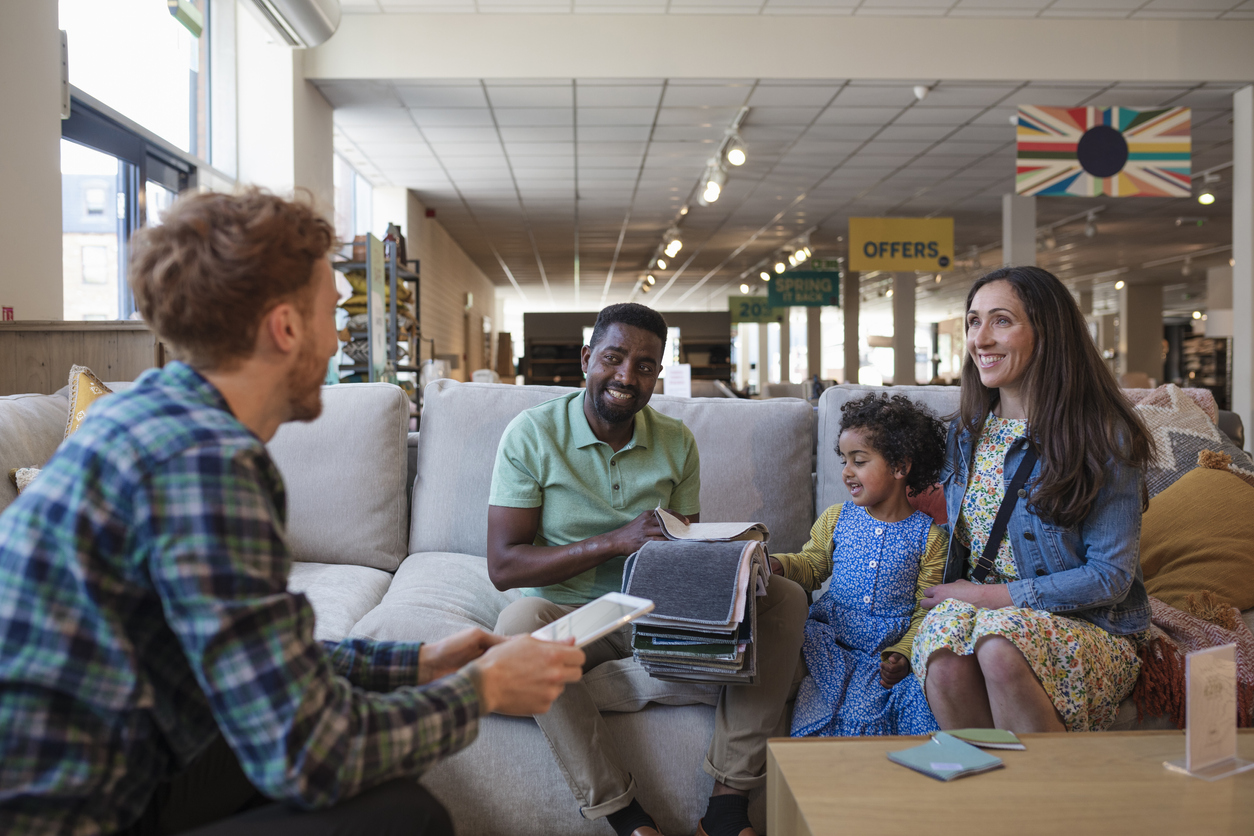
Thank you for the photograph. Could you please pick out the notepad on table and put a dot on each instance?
(945, 758)
(988, 738)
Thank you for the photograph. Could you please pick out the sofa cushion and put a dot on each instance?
(31, 427)
(1181, 429)
(1196, 536)
(345, 476)
(434, 595)
(340, 595)
(755, 461)
(941, 400)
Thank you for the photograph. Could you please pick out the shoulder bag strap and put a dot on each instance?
(1013, 493)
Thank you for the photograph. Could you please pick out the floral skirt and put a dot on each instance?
(1086, 671)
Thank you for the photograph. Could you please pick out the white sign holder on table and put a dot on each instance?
(678, 378)
(1211, 716)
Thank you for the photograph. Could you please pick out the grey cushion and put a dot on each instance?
(755, 461)
(31, 429)
(340, 595)
(345, 475)
(941, 400)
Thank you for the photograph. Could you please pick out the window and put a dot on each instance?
(115, 178)
(93, 201)
(91, 229)
(95, 264)
(133, 56)
(353, 198)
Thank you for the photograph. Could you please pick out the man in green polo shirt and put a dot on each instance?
(573, 492)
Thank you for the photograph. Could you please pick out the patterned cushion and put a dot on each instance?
(1204, 398)
(1181, 430)
(85, 389)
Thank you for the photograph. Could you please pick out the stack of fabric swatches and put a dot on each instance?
(704, 622)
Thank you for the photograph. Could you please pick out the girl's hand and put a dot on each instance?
(777, 568)
(893, 669)
(988, 596)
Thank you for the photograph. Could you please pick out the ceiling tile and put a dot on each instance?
(527, 96)
(414, 95)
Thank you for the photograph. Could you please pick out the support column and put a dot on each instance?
(784, 339)
(1141, 331)
(814, 341)
(1243, 256)
(850, 299)
(762, 361)
(285, 127)
(904, 285)
(30, 177)
(1018, 230)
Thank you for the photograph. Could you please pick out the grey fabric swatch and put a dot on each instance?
(687, 579)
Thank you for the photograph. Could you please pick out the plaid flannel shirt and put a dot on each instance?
(144, 608)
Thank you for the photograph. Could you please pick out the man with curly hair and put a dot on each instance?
(155, 674)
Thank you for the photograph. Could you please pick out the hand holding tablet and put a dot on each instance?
(595, 619)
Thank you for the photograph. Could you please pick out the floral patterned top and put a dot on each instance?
(985, 491)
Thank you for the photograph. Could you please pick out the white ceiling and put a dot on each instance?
(1137, 9)
(501, 162)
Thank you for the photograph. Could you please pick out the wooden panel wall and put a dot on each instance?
(35, 357)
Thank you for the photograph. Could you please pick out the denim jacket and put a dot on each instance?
(1091, 572)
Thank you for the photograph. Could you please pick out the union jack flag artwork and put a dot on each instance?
(1112, 151)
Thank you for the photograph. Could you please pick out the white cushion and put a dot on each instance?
(345, 475)
(755, 461)
(340, 595)
(941, 400)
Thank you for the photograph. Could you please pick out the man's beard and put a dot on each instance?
(304, 385)
(610, 414)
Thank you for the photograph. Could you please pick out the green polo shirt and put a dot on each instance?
(549, 459)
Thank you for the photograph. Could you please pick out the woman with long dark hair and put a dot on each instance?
(1033, 628)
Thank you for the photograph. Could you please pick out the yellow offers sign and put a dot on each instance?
(901, 243)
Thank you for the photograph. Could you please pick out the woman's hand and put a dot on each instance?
(988, 596)
(893, 669)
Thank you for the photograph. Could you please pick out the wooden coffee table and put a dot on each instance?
(1108, 783)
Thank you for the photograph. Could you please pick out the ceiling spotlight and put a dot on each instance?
(938, 278)
(1119, 285)
(1090, 225)
(712, 182)
(764, 276)
(661, 264)
(736, 153)
(649, 280)
(1050, 241)
(644, 288)
(1197, 314)
(1206, 198)
(921, 91)
(683, 211)
(889, 294)
(744, 288)
(792, 259)
(673, 244)
(779, 267)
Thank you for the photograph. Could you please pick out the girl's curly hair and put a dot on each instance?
(903, 432)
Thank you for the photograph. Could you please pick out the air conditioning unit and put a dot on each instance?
(300, 23)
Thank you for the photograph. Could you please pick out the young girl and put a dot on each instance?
(882, 555)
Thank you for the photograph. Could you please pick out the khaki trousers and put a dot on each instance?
(746, 716)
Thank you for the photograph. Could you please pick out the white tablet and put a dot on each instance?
(596, 619)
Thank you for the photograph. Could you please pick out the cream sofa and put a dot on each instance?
(389, 532)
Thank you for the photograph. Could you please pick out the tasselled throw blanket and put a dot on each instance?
(1173, 634)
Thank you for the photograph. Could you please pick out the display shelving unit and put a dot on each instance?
(396, 273)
